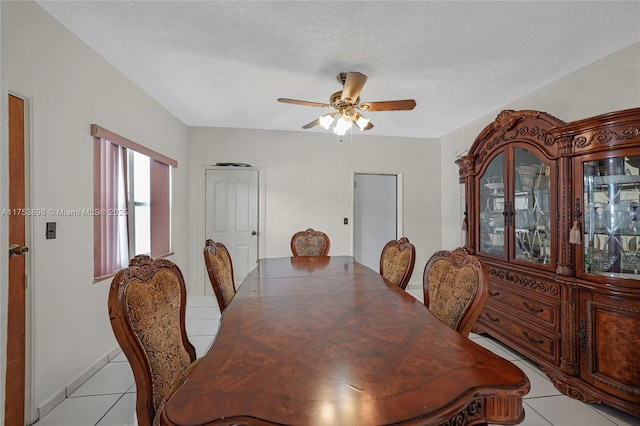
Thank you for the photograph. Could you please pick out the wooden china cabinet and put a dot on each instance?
(553, 210)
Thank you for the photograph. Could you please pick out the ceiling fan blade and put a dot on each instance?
(353, 84)
(312, 124)
(305, 103)
(403, 105)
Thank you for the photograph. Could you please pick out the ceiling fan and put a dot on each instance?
(347, 104)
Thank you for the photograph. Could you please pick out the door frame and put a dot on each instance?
(30, 413)
(399, 202)
(201, 276)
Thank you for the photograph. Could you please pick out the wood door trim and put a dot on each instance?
(15, 377)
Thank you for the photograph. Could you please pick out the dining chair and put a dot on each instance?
(456, 288)
(220, 271)
(310, 243)
(146, 306)
(397, 260)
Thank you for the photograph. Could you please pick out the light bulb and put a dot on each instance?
(326, 120)
(361, 121)
(341, 126)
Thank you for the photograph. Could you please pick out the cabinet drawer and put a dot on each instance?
(543, 312)
(534, 341)
(525, 282)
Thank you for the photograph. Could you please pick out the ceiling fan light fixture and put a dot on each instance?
(326, 120)
(346, 104)
(341, 126)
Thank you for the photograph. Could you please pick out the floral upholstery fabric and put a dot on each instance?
(221, 266)
(310, 246)
(451, 291)
(310, 243)
(395, 264)
(153, 312)
(174, 387)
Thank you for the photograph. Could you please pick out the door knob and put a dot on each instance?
(16, 249)
(253, 232)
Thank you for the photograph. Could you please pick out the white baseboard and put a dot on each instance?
(46, 407)
(417, 286)
(114, 353)
(51, 403)
(83, 377)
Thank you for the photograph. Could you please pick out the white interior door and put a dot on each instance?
(375, 216)
(231, 217)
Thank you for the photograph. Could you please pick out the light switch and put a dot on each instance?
(51, 230)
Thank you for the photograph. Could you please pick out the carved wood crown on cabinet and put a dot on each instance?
(563, 287)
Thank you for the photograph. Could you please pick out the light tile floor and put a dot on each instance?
(108, 397)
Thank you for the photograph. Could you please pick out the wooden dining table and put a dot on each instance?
(328, 341)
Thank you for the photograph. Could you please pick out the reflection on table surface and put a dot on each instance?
(326, 341)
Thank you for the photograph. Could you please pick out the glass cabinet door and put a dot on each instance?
(531, 208)
(492, 206)
(611, 228)
(516, 204)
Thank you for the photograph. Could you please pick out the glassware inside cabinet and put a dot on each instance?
(612, 217)
(492, 207)
(531, 203)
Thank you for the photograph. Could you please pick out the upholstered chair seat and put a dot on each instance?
(456, 287)
(147, 303)
(397, 260)
(310, 243)
(220, 271)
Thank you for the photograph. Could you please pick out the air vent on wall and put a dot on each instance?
(233, 164)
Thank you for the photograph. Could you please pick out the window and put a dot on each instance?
(139, 199)
(132, 202)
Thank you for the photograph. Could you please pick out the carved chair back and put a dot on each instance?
(397, 260)
(220, 271)
(456, 287)
(147, 303)
(310, 243)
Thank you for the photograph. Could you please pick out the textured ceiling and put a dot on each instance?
(224, 64)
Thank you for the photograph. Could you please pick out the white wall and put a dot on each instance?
(69, 87)
(610, 84)
(309, 183)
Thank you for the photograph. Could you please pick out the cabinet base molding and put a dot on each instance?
(587, 394)
(577, 392)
